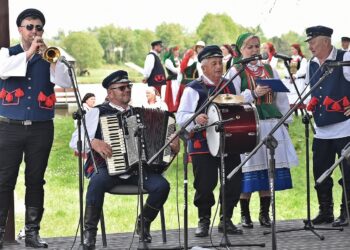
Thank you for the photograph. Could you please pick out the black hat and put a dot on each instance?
(34, 13)
(315, 31)
(210, 51)
(154, 43)
(119, 76)
(345, 39)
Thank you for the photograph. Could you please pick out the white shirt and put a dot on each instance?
(188, 105)
(170, 66)
(16, 66)
(92, 119)
(301, 72)
(159, 104)
(149, 64)
(339, 129)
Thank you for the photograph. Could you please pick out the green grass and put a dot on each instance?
(62, 199)
(97, 75)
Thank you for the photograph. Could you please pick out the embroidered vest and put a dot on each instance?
(197, 144)
(190, 73)
(331, 96)
(264, 104)
(157, 76)
(30, 97)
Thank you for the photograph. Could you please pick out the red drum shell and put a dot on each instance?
(241, 133)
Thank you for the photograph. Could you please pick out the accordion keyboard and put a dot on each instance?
(112, 134)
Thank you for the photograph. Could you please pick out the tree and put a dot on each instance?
(171, 34)
(85, 48)
(218, 29)
(293, 37)
(141, 46)
(106, 36)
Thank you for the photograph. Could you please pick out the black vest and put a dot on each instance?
(332, 95)
(157, 76)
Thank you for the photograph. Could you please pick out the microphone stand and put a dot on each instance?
(183, 132)
(138, 135)
(327, 72)
(79, 115)
(299, 95)
(185, 163)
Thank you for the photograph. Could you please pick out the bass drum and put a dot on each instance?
(240, 127)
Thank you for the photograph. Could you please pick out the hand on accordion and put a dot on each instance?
(102, 148)
(175, 144)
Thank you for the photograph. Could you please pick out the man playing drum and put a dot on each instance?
(205, 166)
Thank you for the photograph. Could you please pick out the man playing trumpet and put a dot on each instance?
(27, 101)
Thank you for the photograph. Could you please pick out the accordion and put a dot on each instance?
(118, 130)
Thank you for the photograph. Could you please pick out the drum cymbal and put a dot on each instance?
(228, 99)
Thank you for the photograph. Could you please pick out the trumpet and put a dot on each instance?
(51, 54)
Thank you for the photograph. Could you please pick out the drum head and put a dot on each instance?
(213, 137)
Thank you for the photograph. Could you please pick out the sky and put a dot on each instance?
(275, 17)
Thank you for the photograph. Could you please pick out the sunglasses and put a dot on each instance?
(122, 88)
(30, 27)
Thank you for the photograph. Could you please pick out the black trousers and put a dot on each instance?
(205, 170)
(156, 185)
(324, 153)
(34, 142)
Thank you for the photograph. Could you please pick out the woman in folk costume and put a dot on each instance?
(190, 68)
(172, 65)
(298, 66)
(270, 51)
(270, 107)
(228, 54)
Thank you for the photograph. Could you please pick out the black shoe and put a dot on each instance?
(203, 227)
(342, 220)
(33, 218)
(246, 221)
(325, 214)
(264, 217)
(91, 219)
(147, 228)
(230, 227)
(33, 240)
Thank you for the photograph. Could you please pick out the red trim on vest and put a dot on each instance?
(336, 105)
(11, 97)
(312, 104)
(46, 102)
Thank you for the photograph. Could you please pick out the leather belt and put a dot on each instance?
(301, 77)
(19, 122)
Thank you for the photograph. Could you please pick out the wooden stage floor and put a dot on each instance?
(301, 239)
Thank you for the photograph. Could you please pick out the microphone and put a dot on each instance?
(198, 128)
(63, 60)
(250, 59)
(338, 64)
(283, 57)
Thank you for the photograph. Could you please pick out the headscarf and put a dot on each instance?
(170, 54)
(239, 43)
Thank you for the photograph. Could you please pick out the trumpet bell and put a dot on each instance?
(51, 54)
